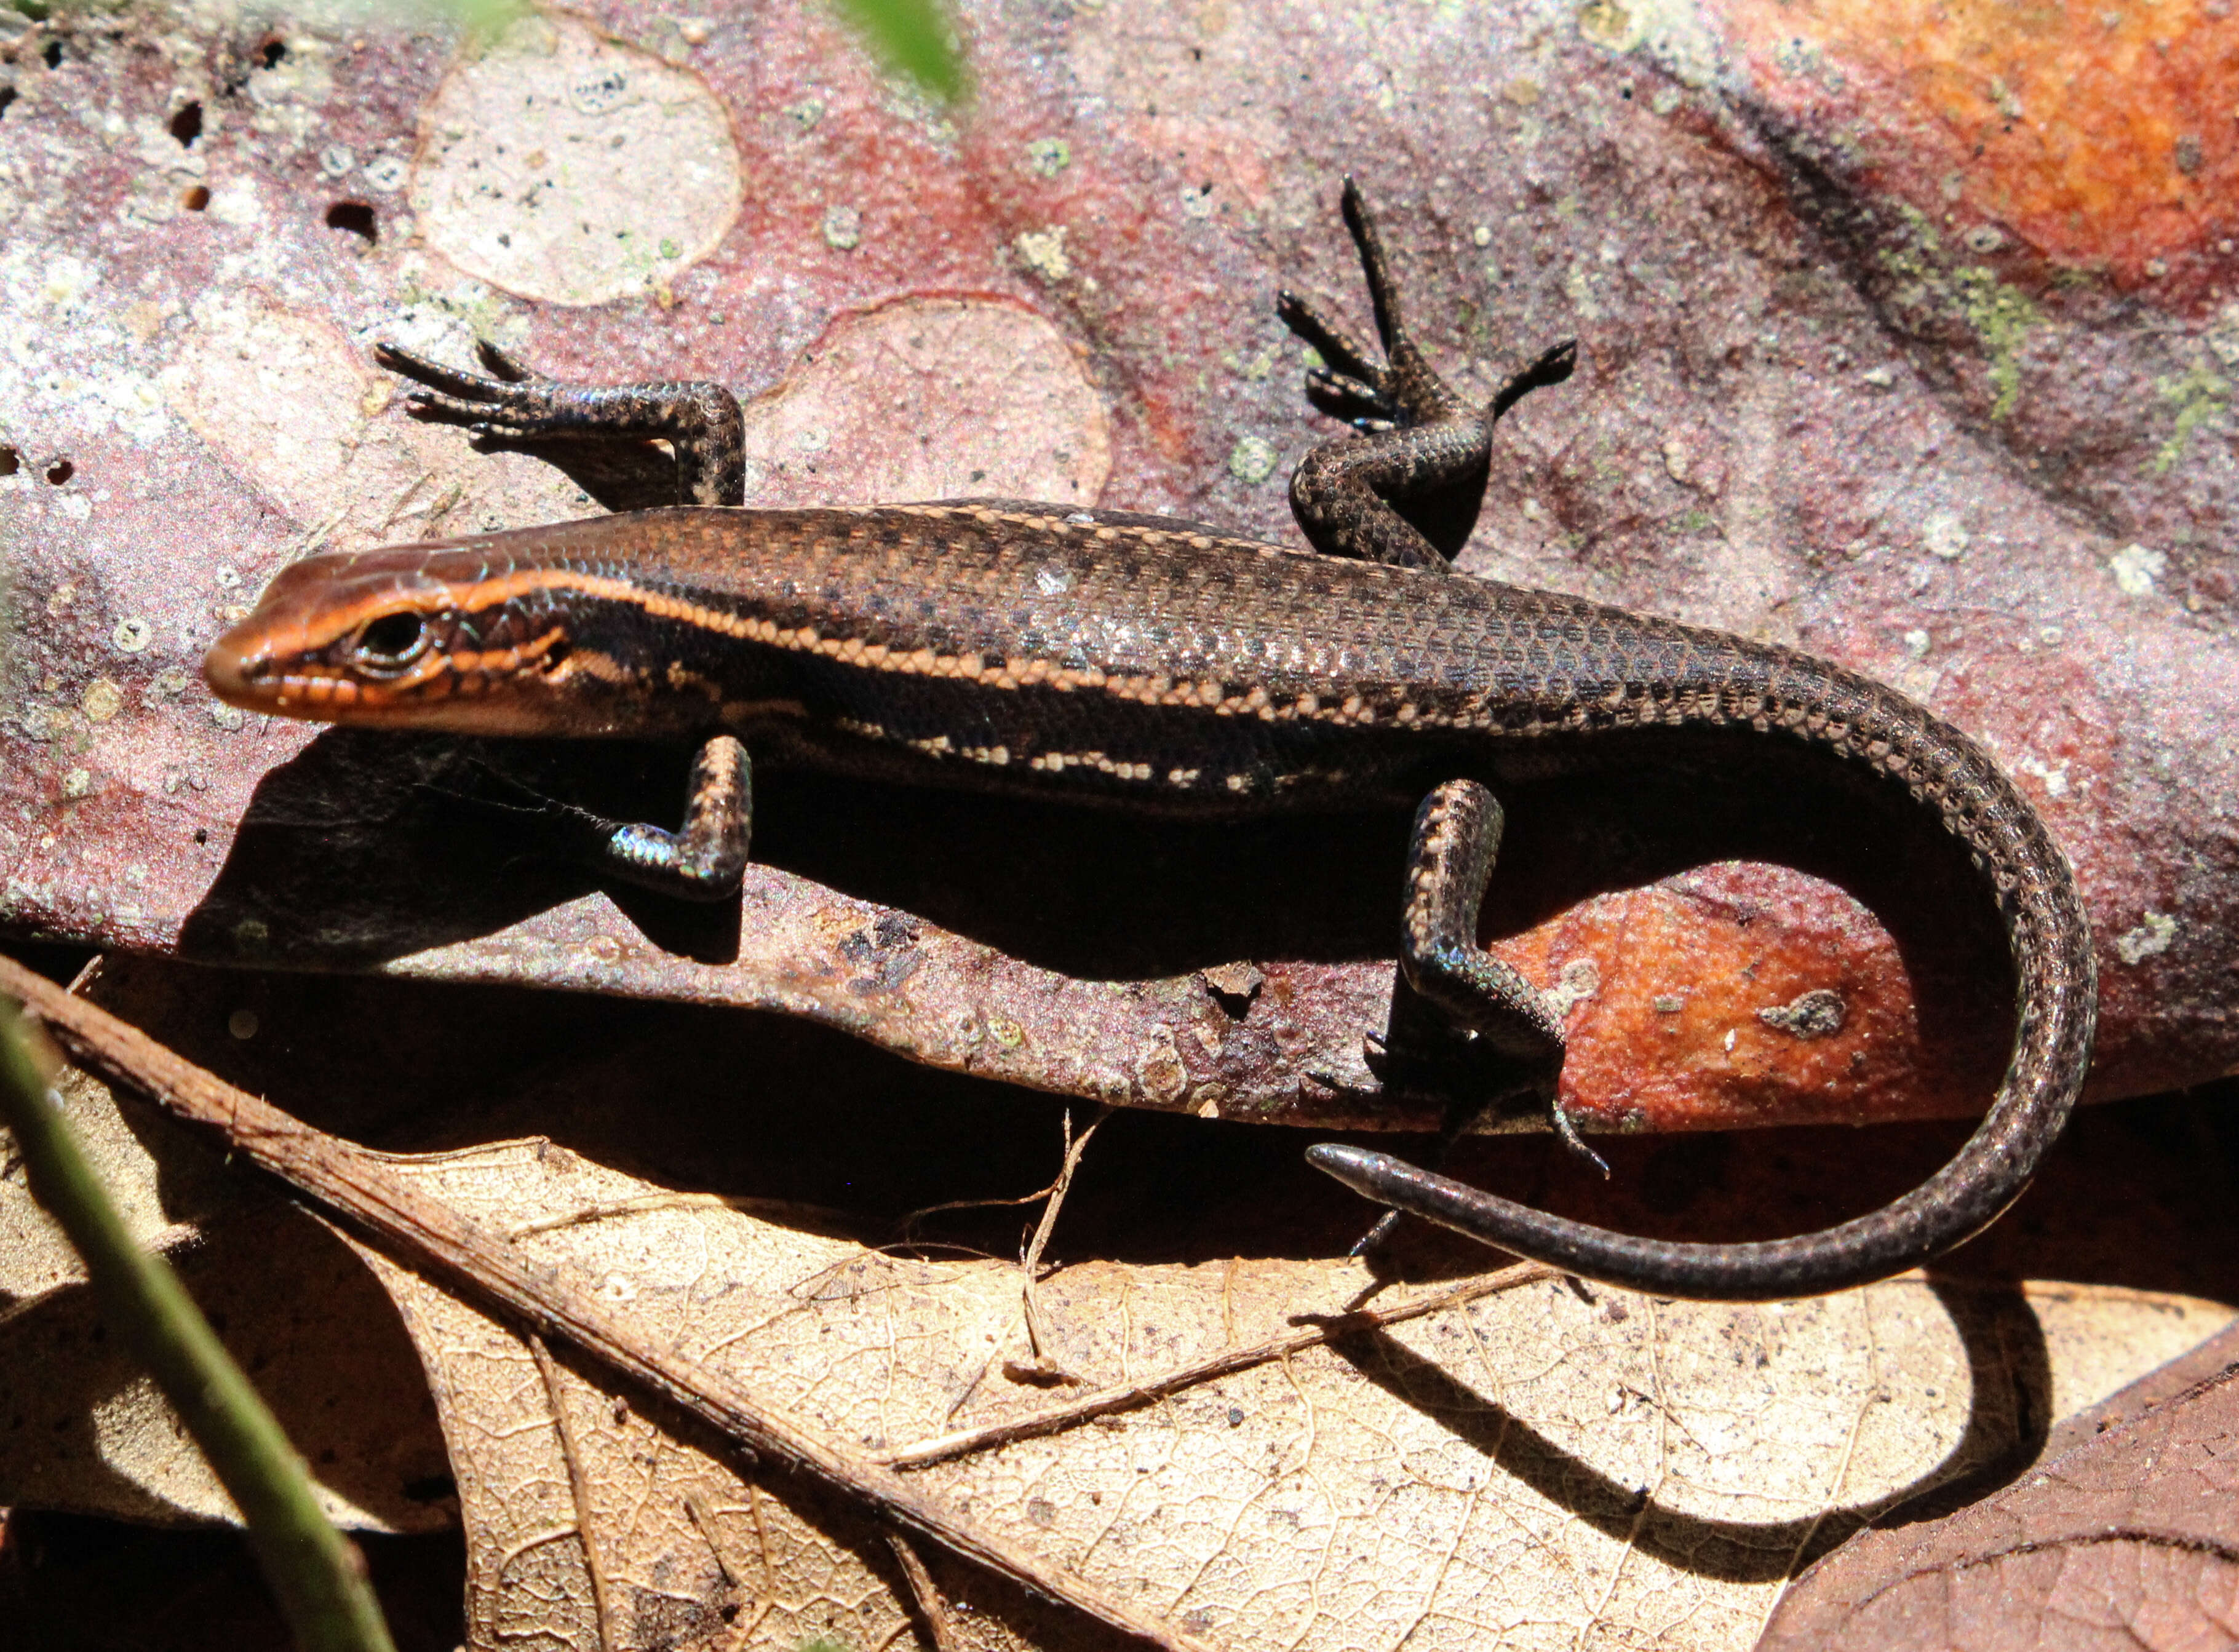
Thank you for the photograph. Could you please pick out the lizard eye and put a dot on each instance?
(389, 644)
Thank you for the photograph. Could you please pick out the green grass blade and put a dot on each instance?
(318, 1578)
(912, 37)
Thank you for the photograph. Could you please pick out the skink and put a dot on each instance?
(1149, 663)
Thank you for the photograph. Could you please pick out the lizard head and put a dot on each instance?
(448, 636)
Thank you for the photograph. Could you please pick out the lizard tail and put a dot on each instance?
(2057, 1002)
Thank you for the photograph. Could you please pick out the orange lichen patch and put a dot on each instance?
(1752, 995)
(2099, 133)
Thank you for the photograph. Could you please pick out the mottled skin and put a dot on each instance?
(1146, 663)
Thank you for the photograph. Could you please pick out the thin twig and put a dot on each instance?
(363, 1190)
(930, 1606)
(578, 1489)
(785, 1211)
(1127, 1396)
(909, 1223)
(762, 1541)
(1032, 1265)
(742, 1625)
(703, 1521)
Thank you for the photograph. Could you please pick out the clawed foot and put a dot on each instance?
(1566, 1129)
(1554, 365)
(1350, 385)
(1401, 390)
(1453, 1069)
(1455, 1065)
(700, 421)
(512, 406)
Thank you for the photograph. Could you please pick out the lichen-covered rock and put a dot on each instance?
(1907, 346)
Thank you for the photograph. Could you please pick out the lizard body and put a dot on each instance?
(1143, 663)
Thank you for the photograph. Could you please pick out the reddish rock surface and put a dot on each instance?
(1907, 345)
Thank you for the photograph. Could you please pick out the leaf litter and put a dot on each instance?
(1541, 1465)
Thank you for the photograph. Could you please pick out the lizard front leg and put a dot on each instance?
(699, 420)
(705, 858)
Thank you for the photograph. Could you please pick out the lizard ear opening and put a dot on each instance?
(388, 645)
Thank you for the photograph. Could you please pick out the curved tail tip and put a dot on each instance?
(1360, 1169)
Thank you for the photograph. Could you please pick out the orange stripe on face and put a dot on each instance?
(504, 661)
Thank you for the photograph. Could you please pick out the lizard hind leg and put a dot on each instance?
(1406, 490)
(1456, 840)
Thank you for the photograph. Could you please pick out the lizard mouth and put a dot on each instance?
(239, 670)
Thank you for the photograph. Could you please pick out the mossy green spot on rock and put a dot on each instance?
(2001, 316)
(2200, 396)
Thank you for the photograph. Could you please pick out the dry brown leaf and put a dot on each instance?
(2131, 1541)
(37, 1261)
(1544, 1465)
(82, 1429)
(1528, 1466)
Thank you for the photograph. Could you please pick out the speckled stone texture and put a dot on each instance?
(1904, 344)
